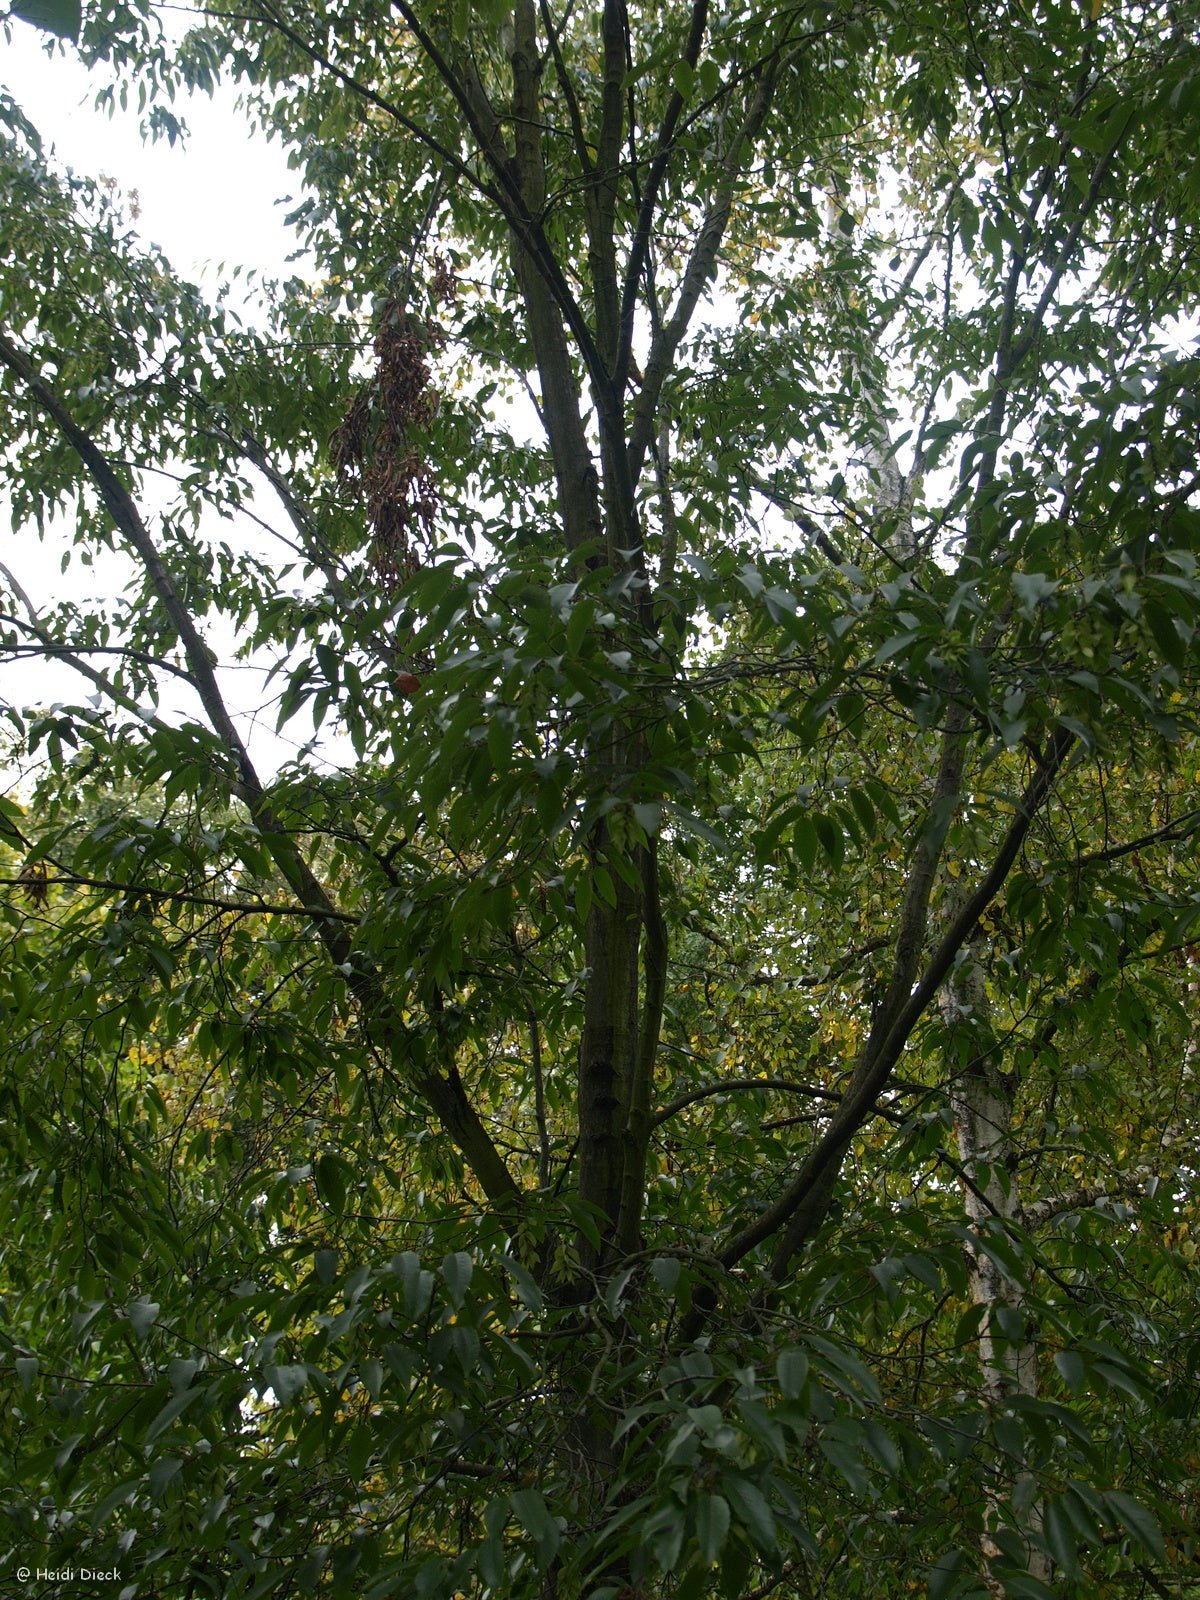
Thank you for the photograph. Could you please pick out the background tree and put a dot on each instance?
(691, 1089)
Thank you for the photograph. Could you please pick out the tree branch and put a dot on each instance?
(508, 198)
(644, 229)
(186, 897)
(700, 268)
(802, 1207)
(1084, 1197)
(737, 1086)
(48, 645)
(567, 89)
(603, 188)
(445, 1093)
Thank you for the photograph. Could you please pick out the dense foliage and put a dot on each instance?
(683, 1080)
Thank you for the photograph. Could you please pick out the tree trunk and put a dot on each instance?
(609, 1048)
(983, 1098)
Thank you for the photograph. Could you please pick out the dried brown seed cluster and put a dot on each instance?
(377, 448)
(443, 284)
(32, 878)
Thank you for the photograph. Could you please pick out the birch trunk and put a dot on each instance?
(983, 1097)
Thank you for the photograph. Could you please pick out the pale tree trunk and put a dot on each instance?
(983, 1098)
(892, 500)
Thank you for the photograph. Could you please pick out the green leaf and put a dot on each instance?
(403, 1362)
(664, 1534)
(526, 1286)
(121, 1495)
(752, 1509)
(1032, 590)
(457, 1270)
(895, 645)
(1060, 1538)
(161, 1474)
(710, 77)
(648, 816)
(583, 614)
(711, 1512)
(534, 1516)
(805, 842)
(1166, 636)
(665, 1272)
(833, 840)
(1024, 1586)
(1070, 1366)
(417, 1281)
(331, 1175)
(863, 809)
(179, 1402)
(791, 1366)
(287, 1381)
(1121, 1378)
(882, 1447)
(181, 1370)
(61, 17)
(698, 828)
(1136, 1521)
(683, 76)
(848, 1461)
(142, 1314)
(943, 1575)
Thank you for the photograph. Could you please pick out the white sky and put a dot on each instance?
(213, 202)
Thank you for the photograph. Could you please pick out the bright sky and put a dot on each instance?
(213, 202)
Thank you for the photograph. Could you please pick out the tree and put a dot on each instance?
(684, 1082)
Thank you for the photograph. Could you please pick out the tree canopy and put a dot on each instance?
(683, 1081)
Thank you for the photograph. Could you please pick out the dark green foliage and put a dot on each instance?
(680, 1080)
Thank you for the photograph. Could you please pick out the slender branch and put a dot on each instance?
(1182, 828)
(796, 512)
(539, 1100)
(567, 90)
(46, 646)
(644, 230)
(788, 1573)
(313, 546)
(666, 502)
(701, 265)
(186, 897)
(614, 29)
(1011, 351)
(807, 980)
(508, 197)
(125, 514)
(49, 645)
(1085, 1196)
(364, 91)
(1063, 259)
(504, 194)
(888, 311)
(738, 1086)
(546, 309)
